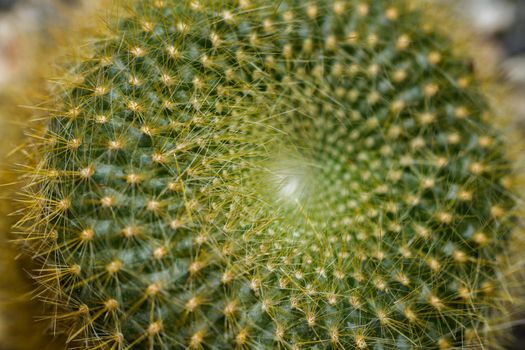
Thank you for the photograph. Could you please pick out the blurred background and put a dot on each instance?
(25, 24)
(501, 25)
(28, 44)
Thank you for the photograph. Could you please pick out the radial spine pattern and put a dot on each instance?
(270, 175)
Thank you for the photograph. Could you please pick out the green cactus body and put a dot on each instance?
(267, 175)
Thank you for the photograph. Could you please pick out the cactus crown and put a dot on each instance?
(259, 175)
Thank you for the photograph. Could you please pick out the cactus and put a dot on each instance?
(263, 175)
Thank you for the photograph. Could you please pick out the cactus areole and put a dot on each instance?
(250, 174)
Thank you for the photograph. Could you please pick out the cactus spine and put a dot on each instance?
(37, 45)
(259, 175)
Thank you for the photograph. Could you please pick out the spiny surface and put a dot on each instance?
(260, 175)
